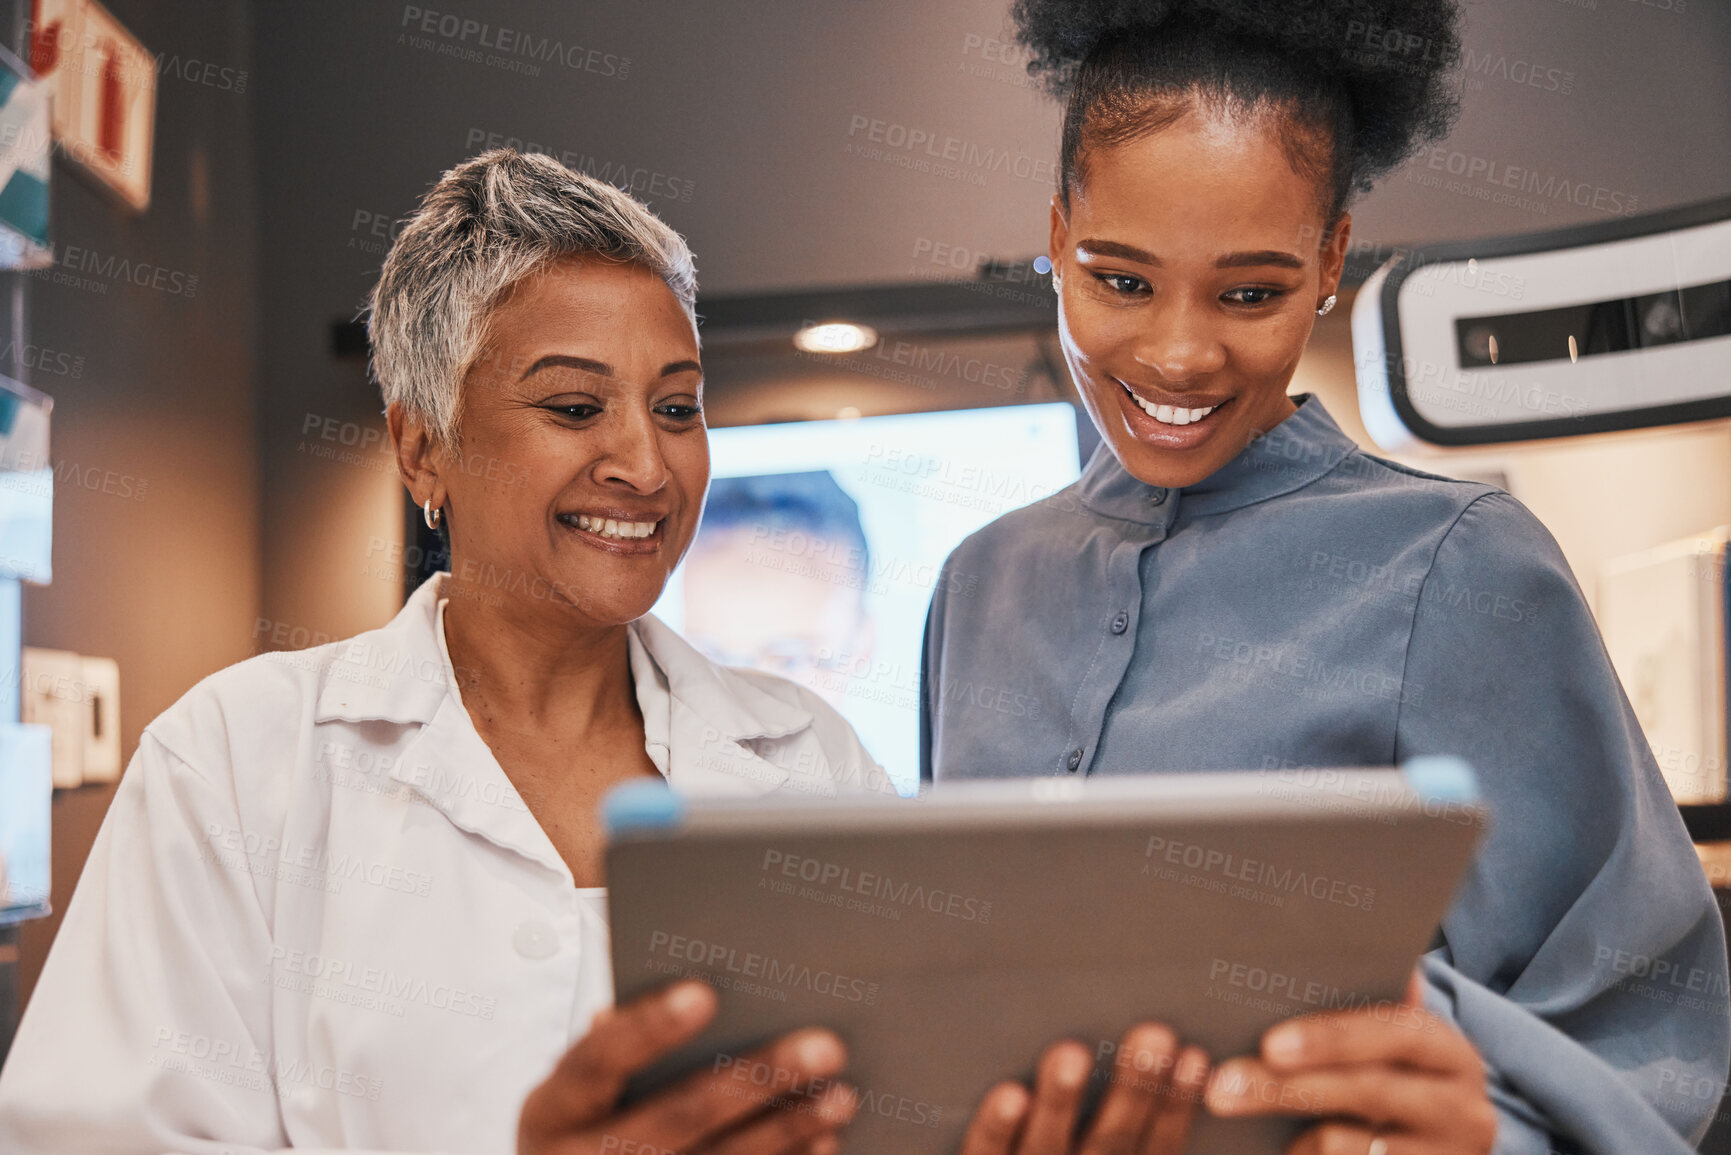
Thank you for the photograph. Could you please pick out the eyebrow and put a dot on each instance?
(1257, 258)
(601, 368)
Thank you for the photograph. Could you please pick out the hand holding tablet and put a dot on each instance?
(575, 1108)
(951, 940)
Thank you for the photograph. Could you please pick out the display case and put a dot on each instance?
(26, 538)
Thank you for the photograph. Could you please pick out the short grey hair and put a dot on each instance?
(486, 225)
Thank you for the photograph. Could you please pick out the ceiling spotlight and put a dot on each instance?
(835, 337)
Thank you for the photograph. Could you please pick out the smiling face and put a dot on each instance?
(582, 463)
(1193, 262)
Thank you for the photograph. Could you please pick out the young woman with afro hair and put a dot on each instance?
(1233, 584)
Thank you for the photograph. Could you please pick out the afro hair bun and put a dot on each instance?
(1392, 59)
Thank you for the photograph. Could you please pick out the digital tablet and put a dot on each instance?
(949, 938)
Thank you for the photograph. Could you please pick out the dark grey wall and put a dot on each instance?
(156, 541)
(1626, 102)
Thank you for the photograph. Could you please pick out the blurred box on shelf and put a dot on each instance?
(78, 699)
(26, 484)
(1663, 615)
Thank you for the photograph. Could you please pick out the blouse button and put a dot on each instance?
(1158, 497)
(536, 939)
(1121, 622)
(1075, 759)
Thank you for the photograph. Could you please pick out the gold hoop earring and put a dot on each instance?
(430, 515)
(1327, 304)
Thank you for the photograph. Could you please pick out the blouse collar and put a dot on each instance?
(1293, 454)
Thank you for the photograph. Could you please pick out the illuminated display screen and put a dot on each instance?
(823, 541)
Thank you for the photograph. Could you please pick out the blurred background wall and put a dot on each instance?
(157, 537)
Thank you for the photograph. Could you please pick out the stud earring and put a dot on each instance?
(430, 515)
(1327, 304)
(1057, 283)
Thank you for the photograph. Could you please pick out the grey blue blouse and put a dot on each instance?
(1312, 605)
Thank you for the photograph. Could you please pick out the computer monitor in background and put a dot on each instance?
(823, 541)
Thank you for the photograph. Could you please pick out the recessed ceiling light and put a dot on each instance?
(835, 337)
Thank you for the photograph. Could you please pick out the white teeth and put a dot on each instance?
(608, 527)
(1169, 415)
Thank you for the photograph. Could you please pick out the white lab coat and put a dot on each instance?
(318, 916)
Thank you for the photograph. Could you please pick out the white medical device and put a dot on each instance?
(1583, 330)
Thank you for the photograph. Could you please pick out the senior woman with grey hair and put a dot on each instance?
(349, 898)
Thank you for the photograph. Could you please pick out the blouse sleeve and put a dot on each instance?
(149, 1031)
(1584, 954)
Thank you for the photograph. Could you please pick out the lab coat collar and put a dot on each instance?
(724, 698)
(700, 719)
(393, 674)
(697, 716)
(1293, 454)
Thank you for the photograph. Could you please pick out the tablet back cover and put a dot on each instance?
(948, 944)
